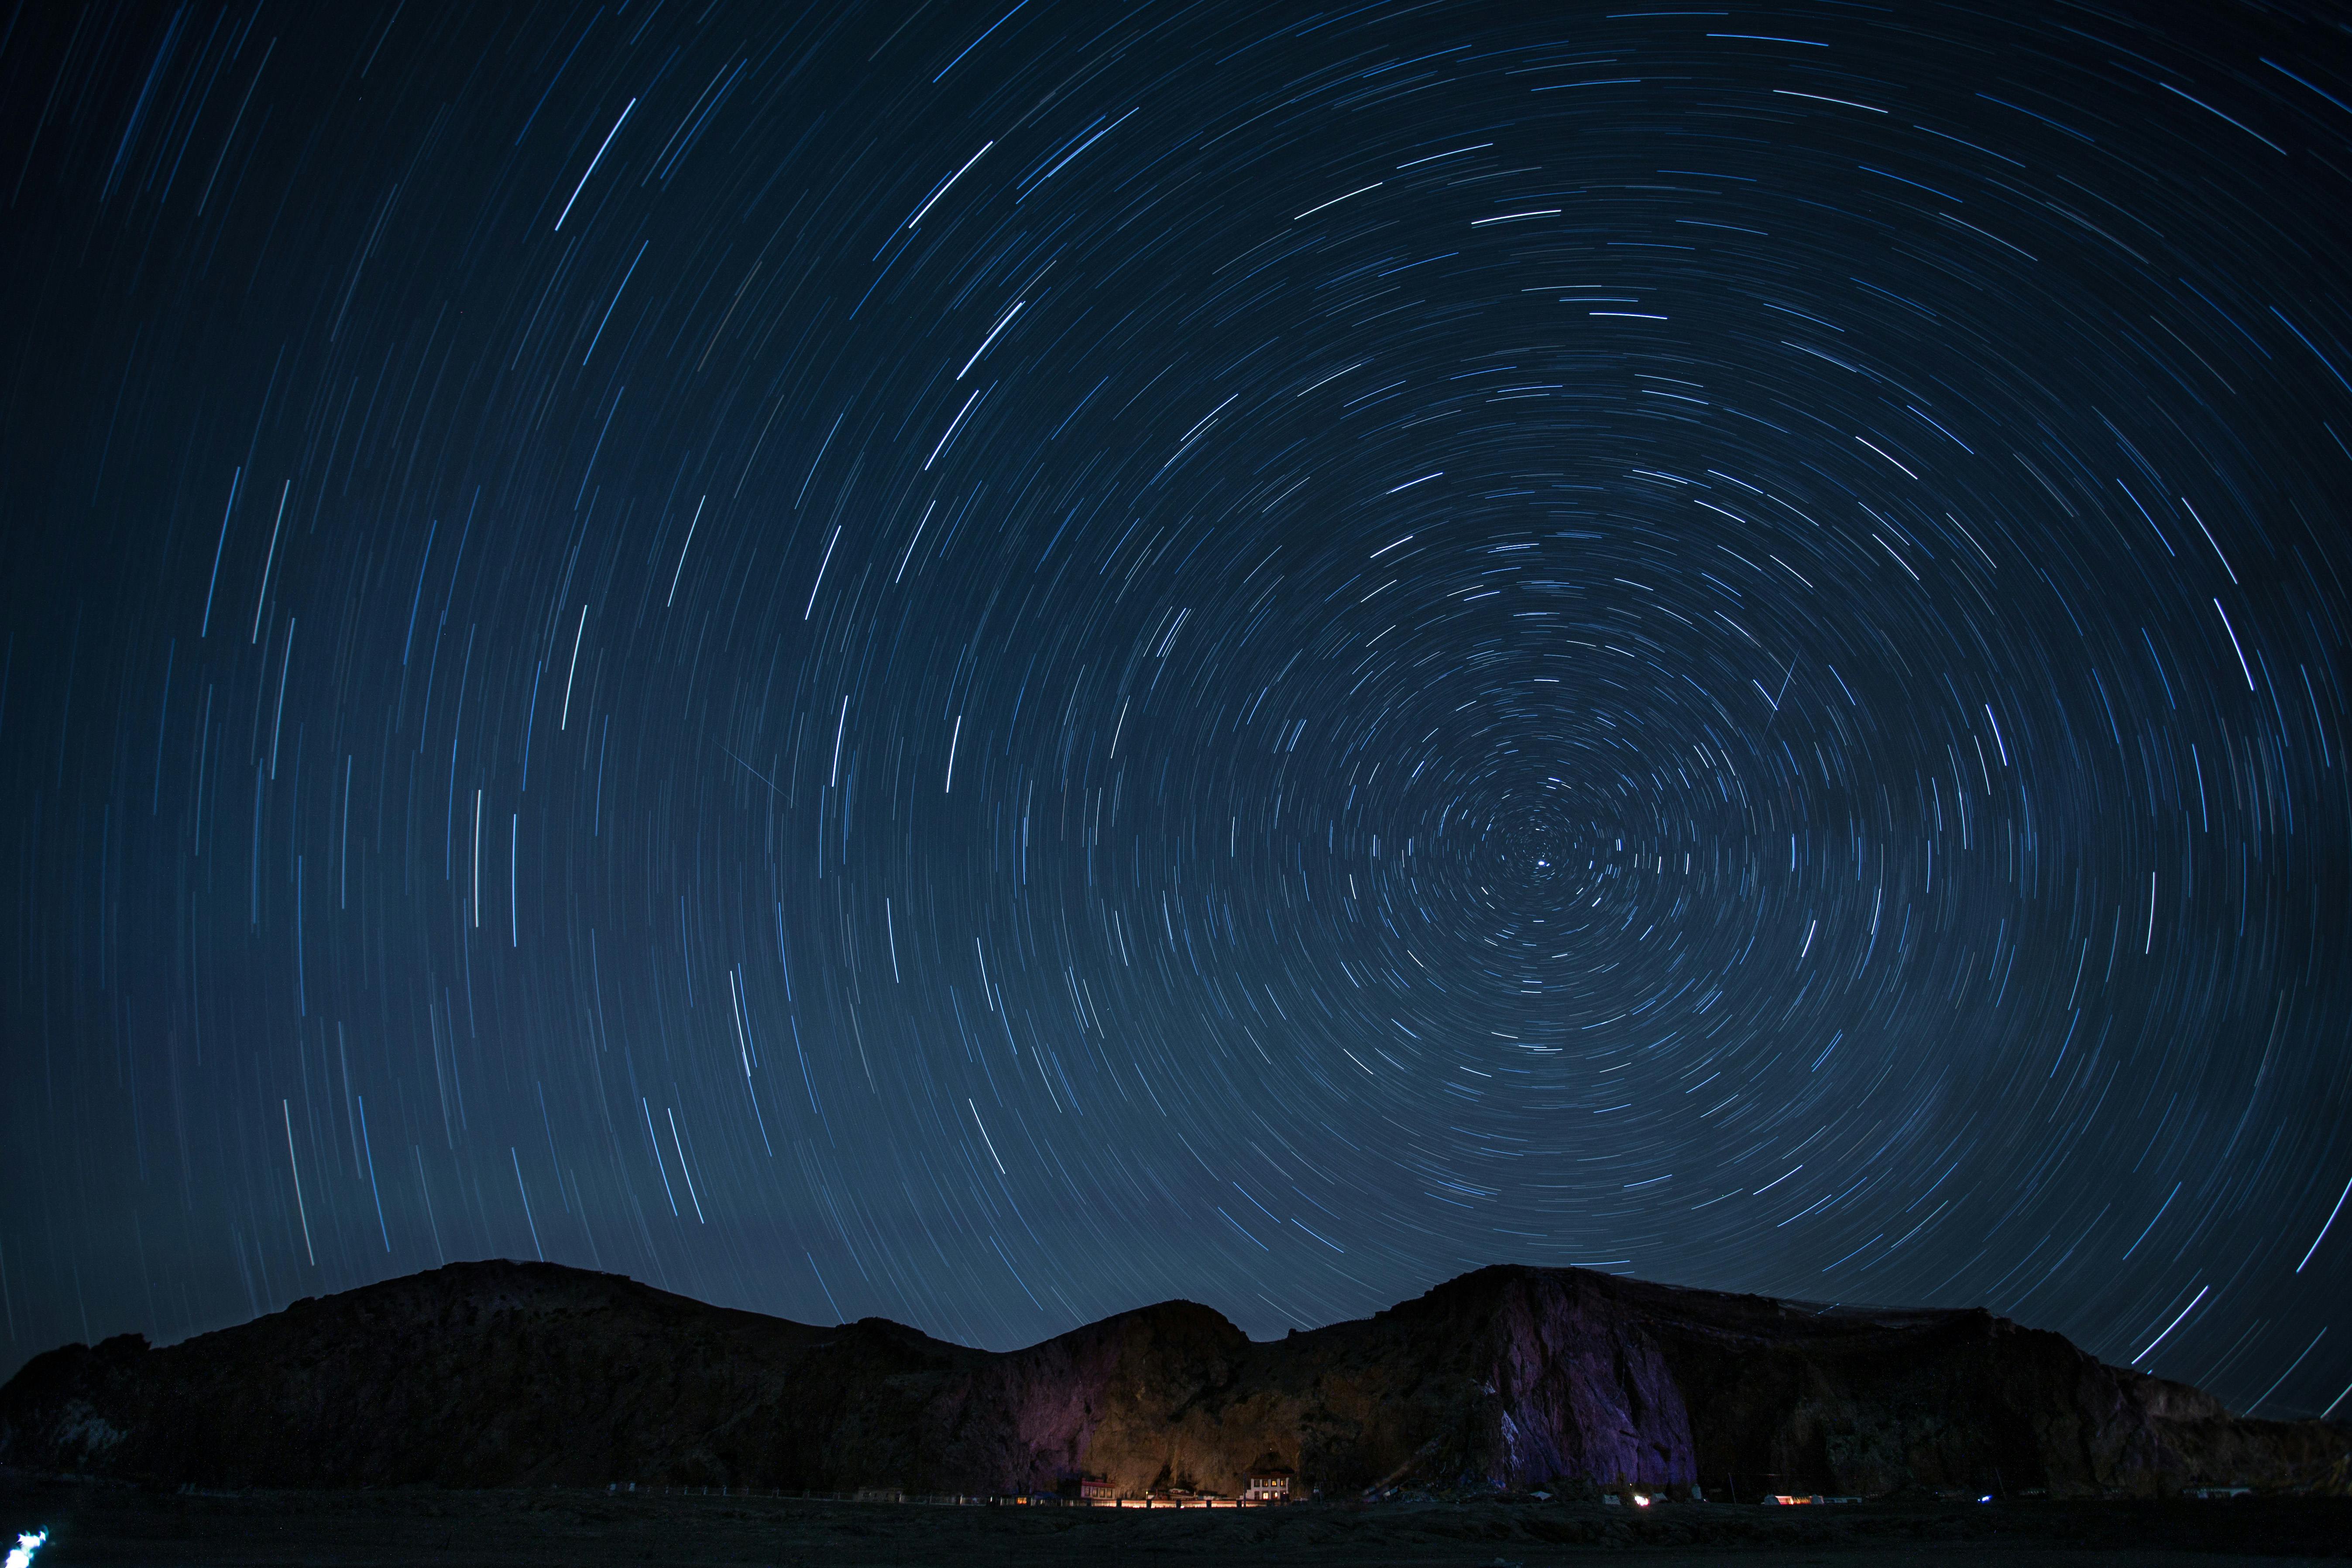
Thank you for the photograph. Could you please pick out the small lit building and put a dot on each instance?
(1093, 1489)
(1268, 1483)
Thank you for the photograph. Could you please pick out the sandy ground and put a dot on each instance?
(121, 1527)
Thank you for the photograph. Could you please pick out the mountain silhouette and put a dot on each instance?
(501, 1373)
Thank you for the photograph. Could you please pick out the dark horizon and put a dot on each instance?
(1433, 1288)
(988, 664)
(1511, 1381)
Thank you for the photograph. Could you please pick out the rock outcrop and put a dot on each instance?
(503, 1373)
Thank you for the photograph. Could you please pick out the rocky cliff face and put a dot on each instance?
(503, 1373)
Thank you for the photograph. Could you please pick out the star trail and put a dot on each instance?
(983, 666)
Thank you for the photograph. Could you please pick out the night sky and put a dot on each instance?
(983, 666)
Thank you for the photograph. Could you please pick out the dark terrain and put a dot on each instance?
(121, 1526)
(479, 1414)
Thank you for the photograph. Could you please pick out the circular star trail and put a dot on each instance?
(983, 666)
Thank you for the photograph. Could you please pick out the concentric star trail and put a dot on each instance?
(986, 665)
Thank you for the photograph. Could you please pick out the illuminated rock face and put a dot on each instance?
(503, 1373)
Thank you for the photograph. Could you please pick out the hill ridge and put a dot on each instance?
(495, 1372)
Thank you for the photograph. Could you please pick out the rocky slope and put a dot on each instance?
(503, 1373)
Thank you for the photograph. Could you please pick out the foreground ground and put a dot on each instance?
(121, 1526)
